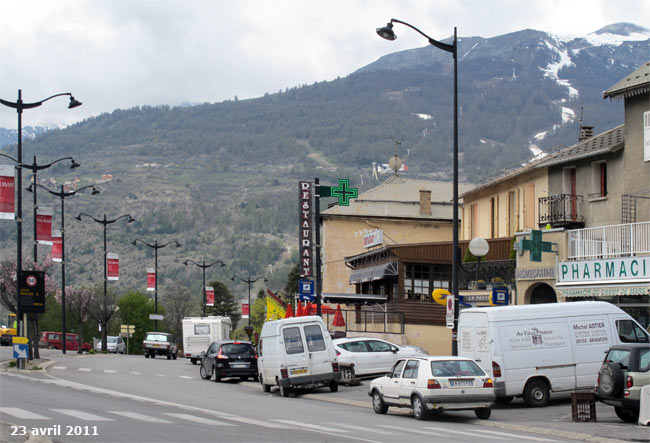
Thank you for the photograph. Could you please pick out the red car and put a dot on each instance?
(53, 340)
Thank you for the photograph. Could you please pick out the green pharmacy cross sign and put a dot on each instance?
(536, 246)
(343, 192)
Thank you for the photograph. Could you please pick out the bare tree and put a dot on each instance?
(102, 309)
(179, 303)
(77, 303)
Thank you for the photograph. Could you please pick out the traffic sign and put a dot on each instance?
(306, 290)
(449, 318)
(155, 317)
(21, 347)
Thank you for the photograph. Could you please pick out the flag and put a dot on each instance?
(274, 309)
(244, 310)
(289, 312)
(338, 317)
(209, 296)
(7, 192)
(44, 225)
(57, 246)
(151, 279)
(112, 266)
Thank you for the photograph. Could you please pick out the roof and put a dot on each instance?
(636, 83)
(399, 197)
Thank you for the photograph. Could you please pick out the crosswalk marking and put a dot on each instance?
(506, 434)
(473, 433)
(194, 418)
(360, 428)
(84, 369)
(185, 376)
(310, 426)
(160, 375)
(142, 417)
(81, 415)
(110, 371)
(22, 413)
(135, 373)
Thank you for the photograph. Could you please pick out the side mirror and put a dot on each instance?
(394, 349)
(389, 374)
(202, 354)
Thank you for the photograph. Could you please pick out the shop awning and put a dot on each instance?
(354, 298)
(602, 290)
(372, 273)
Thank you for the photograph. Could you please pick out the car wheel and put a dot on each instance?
(265, 388)
(334, 386)
(285, 391)
(146, 355)
(193, 360)
(504, 400)
(610, 380)
(536, 393)
(203, 373)
(215, 375)
(420, 411)
(174, 356)
(627, 415)
(169, 356)
(378, 404)
(483, 413)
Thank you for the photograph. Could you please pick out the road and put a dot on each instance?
(112, 398)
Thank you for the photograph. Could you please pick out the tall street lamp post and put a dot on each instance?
(387, 33)
(155, 246)
(105, 222)
(19, 105)
(203, 266)
(248, 328)
(62, 195)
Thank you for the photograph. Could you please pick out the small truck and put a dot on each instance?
(159, 343)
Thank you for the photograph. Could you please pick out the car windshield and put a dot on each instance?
(620, 356)
(455, 368)
(112, 340)
(243, 349)
(157, 337)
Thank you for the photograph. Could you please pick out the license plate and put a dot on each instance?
(299, 371)
(461, 383)
(239, 365)
(159, 346)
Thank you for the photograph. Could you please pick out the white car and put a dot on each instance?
(113, 344)
(371, 355)
(434, 384)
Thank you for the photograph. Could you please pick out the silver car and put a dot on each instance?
(372, 356)
(113, 344)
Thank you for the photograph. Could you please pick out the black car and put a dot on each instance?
(229, 359)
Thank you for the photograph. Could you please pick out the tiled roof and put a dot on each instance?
(636, 83)
(608, 141)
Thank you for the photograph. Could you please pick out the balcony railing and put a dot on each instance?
(609, 241)
(561, 211)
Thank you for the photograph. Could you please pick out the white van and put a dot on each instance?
(297, 353)
(533, 350)
(199, 332)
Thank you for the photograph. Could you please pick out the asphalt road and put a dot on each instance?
(110, 398)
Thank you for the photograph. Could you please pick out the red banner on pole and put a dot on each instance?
(244, 310)
(209, 296)
(44, 225)
(7, 192)
(112, 266)
(151, 279)
(57, 246)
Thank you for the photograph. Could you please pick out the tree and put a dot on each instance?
(258, 317)
(102, 309)
(77, 301)
(225, 303)
(179, 304)
(291, 287)
(134, 309)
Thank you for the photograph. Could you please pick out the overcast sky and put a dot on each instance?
(122, 53)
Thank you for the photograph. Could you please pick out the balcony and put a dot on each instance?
(610, 241)
(561, 211)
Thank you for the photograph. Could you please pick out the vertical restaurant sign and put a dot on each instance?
(209, 296)
(44, 225)
(305, 231)
(112, 266)
(57, 246)
(7, 192)
(151, 279)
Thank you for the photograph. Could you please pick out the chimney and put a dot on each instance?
(425, 202)
(586, 132)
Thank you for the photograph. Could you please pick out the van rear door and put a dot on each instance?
(474, 340)
(320, 361)
(297, 360)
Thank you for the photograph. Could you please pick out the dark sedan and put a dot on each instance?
(229, 359)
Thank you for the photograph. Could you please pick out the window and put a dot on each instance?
(598, 180)
(455, 368)
(421, 279)
(397, 369)
(354, 346)
(644, 360)
(202, 329)
(379, 346)
(293, 341)
(240, 349)
(620, 356)
(646, 136)
(314, 336)
(630, 332)
(411, 369)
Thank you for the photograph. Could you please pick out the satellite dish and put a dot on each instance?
(479, 247)
(395, 163)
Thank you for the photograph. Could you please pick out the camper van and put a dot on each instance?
(199, 332)
(533, 350)
(297, 353)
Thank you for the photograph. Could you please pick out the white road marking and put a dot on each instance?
(84, 369)
(310, 426)
(110, 371)
(505, 434)
(59, 367)
(360, 428)
(81, 415)
(142, 417)
(185, 376)
(22, 413)
(401, 428)
(194, 418)
(160, 375)
(473, 433)
(135, 373)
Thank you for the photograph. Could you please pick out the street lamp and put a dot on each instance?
(203, 266)
(250, 281)
(387, 33)
(155, 247)
(62, 195)
(105, 222)
(19, 105)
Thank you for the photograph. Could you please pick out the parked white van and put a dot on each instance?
(199, 332)
(533, 350)
(297, 353)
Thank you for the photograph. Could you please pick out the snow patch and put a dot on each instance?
(553, 68)
(540, 135)
(568, 115)
(483, 141)
(422, 116)
(470, 50)
(615, 39)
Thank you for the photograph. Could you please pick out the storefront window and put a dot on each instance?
(421, 279)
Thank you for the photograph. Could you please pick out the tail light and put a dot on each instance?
(487, 383)
(221, 355)
(284, 373)
(338, 353)
(335, 366)
(629, 382)
(496, 369)
(432, 383)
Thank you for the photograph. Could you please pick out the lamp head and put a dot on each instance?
(95, 191)
(130, 220)
(222, 264)
(134, 243)
(185, 262)
(74, 164)
(178, 245)
(73, 103)
(232, 278)
(78, 217)
(30, 188)
(265, 279)
(387, 32)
